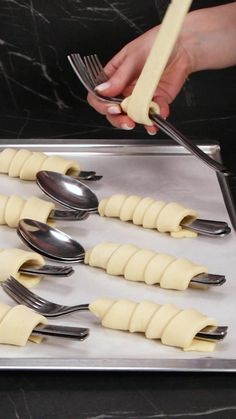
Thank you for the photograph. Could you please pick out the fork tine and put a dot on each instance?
(22, 293)
(102, 76)
(80, 70)
(95, 69)
(83, 75)
(11, 294)
(80, 64)
(90, 69)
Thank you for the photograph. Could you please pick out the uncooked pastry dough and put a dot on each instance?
(11, 260)
(139, 104)
(13, 208)
(173, 326)
(149, 213)
(137, 264)
(26, 164)
(17, 324)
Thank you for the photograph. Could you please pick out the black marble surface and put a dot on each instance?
(117, 395)
(42, 100)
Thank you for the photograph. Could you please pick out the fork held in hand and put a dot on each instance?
(22, 295)
(90, 72)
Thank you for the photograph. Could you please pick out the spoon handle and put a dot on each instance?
(88, 175)
(78, 333)
(208, 279)
(208, 227)
(47, 270)
(68, 215)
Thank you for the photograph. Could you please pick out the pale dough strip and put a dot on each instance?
(149, 213)
(14, 208)
(17, 324)
(137, 264)
(26, 164)
(138, 105)
(12, 259)
(173, 326)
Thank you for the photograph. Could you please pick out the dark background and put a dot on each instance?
(40, 97)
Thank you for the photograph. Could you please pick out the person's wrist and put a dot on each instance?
(190, 42)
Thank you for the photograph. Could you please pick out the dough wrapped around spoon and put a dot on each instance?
(17, 324)
(26, 164)
(149, 213)
(173, 326)
(14, 208)
(12, 259)
(137, 264)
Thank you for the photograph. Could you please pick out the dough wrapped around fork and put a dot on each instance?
(12, 260)
(13, 208)
(149, 213)
(26, 164)
(173, 326)
(137, 264)
(17, 324)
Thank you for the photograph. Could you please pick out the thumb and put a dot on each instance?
(122, 77)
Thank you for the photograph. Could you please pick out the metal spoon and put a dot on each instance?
(59, 246)
(75, 195)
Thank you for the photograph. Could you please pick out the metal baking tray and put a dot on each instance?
(149, 169)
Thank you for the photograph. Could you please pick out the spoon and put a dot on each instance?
(57, 245)
(75, 195)
(49, 270)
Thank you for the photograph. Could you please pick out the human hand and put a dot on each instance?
(123, 71)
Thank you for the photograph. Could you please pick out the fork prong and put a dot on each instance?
(95, 69)
(22, 293)
(81, 72)
(101, 75)
(11, 294)
(90, 69)
(79, 63)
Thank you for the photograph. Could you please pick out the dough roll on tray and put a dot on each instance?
(137, 264)
(26, 164)
(173, 326)
(14, 208)
(149, 213)
(12, 259)
(17, 324)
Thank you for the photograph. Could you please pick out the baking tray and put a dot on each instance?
(148, 169)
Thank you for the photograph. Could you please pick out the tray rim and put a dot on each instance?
(205, 364)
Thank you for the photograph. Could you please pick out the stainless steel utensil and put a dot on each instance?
(90, 72)
(68, 332)
(88, 175)
(49, 270)
(23, 295)
(67, 215)
(59, 246)
(75, 195)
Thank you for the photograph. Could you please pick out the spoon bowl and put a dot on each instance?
(67, 191)
(49, 241)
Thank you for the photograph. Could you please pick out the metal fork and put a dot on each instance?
(91, 73)
(23, 295)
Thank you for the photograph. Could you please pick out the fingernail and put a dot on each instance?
(103, 86)
(151, 132)
(114, 110)
(127, 127)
